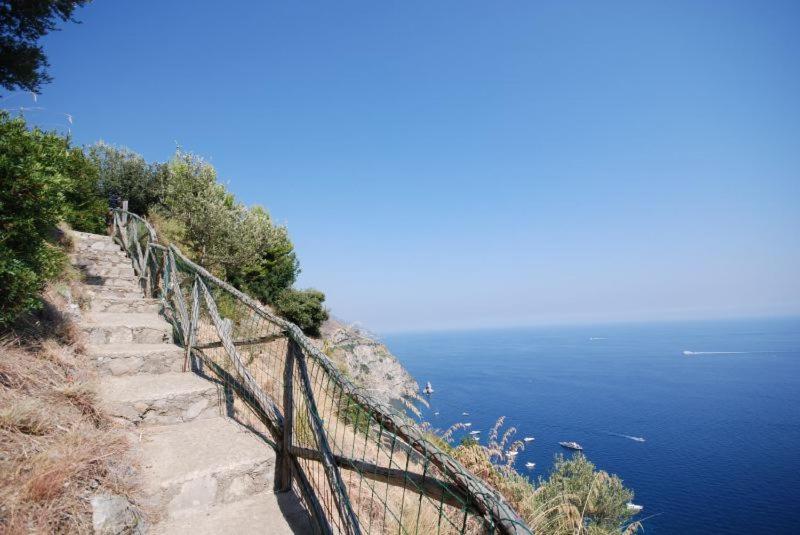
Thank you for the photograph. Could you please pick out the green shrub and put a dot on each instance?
(32, 201)
(275, 268)
(85, 208)
(600, 497)
(237, 243)
(125, 175)
(303, 308)
(190, 208)
(221, 234)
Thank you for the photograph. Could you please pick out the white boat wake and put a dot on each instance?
(635, 439)
(693, 353)
(690, 353)
(629, 437)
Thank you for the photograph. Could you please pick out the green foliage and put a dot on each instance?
(275, 269)
(23, 63)
(353, 414)
(32, 200)
(85, 208)
(575, 499)
(190, 208)
(221, 234)
(600, 497)
(125, 175)
(303, 308)
(203, 219)
(468, 440)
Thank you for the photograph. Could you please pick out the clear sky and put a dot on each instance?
(457, 163)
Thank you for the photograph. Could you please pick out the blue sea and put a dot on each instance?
(721, 426)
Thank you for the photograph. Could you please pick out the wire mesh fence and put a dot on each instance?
(358, 465)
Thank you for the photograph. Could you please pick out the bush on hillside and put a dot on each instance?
(37, 190)
(236, 243)
(596, 498)
(219, 233)
(190, 208)
(276, 266)
(85, 208)
(303, 308)
(575, 498)
(125, 175)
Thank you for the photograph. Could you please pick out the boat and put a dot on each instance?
(571, 445)
(428, 388)
(530, 466)
(465, 414)
(468, 424)
(474, 432)
(528, 439)
(633, 507)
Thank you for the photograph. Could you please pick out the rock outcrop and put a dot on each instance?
(367, 362)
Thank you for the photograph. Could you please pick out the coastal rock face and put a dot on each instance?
(368, 363)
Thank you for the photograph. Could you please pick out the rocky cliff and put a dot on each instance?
(367, 362)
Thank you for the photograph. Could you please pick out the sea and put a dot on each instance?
(700, 419)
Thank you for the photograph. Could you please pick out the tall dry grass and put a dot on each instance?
(576, 499)
(57, 447)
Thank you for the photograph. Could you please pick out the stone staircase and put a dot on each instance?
(202, 472)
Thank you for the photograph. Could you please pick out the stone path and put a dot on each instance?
(202, 471)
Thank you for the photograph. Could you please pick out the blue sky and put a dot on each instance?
(460, 164)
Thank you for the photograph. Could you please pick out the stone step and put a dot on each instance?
(83, 236)
(112, 282)
(109, 260)
(122, 270)
(121, 304)
(97, 246)
(128, 359)
(89, 254)
(160, 399)
(101, 292)
(276, 514)
(193, 466)
(121, 327)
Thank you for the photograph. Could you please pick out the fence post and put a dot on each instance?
(124, 213)
(283, 481)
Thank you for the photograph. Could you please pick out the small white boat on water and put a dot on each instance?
(464, 414)
(633, 507)
(528, 439)
(468, 424)
(474, 432)
(530, 466)
(571, 445)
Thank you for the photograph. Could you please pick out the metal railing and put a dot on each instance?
(358, 465)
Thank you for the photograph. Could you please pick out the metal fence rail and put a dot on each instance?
(358, 465)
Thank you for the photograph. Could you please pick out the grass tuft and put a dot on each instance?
(57, 447)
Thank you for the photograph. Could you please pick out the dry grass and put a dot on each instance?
(57, 448)
(591, 503)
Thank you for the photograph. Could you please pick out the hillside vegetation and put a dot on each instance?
(44, 179)
(574, 499)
